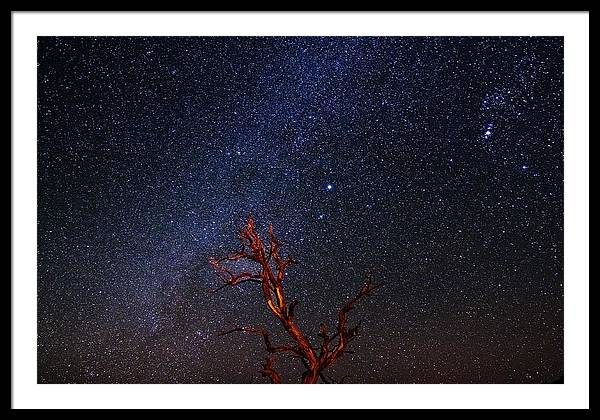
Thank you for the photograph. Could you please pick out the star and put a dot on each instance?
(488, 131)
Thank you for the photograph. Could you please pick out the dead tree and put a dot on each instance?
(269, 273)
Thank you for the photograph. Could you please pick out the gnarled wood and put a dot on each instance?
(270, 273)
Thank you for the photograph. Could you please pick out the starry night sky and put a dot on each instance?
(435, 163)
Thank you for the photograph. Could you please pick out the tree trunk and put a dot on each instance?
(310, 376)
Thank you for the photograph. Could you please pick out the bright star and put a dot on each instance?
(329, 187)
(487, 134)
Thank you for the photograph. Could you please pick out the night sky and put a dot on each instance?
(435, 163)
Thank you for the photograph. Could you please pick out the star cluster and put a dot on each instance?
(435, 163)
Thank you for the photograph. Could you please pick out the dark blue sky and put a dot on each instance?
(436, 163)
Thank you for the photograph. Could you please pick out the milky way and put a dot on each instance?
(435, 163)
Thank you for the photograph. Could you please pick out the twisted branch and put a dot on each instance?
(269, 372)
(265, 335)
(270, 274)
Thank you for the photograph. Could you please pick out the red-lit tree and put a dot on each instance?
(269, 273)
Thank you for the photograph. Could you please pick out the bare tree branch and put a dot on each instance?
(343, 334)
(265, 335)
(270, 372)
(271, 268)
